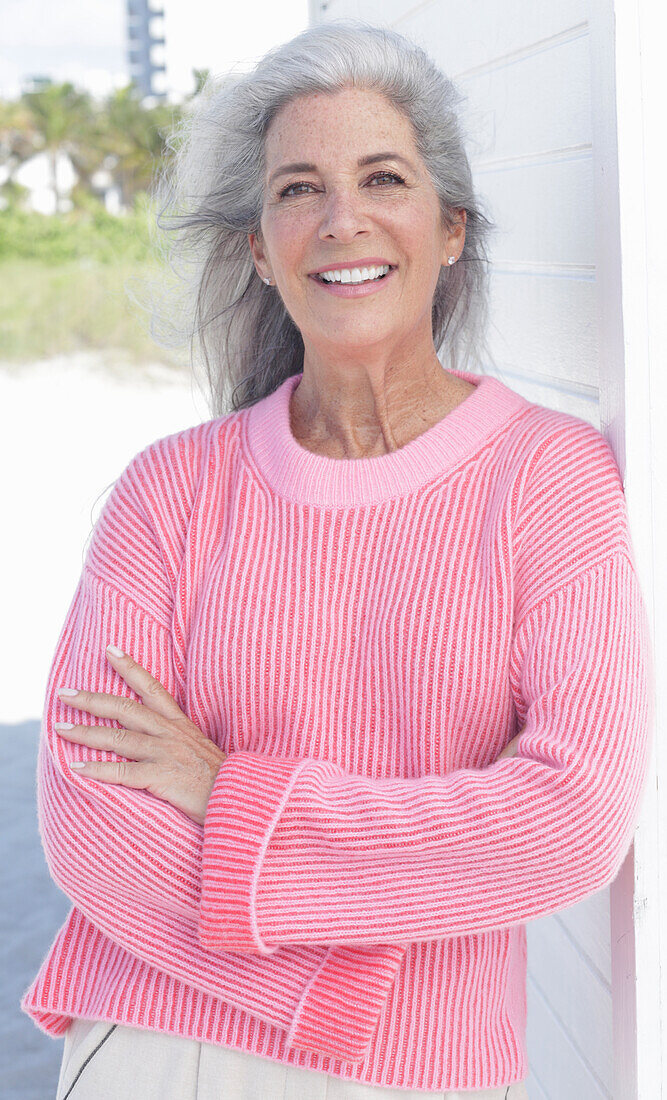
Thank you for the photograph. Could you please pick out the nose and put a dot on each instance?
(343, 218)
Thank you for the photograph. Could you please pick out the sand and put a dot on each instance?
(68, 426)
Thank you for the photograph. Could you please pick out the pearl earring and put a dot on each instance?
(267, 280)
(451, 260)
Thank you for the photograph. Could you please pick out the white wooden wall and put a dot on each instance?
(525, 66)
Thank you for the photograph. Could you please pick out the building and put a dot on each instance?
(142, 39)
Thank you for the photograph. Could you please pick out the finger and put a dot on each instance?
(152, 692)
(124, 742)
(129, 712)
(512, 747)
(111, 771)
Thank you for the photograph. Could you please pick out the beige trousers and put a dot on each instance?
(103, 1061)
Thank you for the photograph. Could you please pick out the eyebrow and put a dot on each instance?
(373, 158)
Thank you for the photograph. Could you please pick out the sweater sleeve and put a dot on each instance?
(130, 862)
(346, 859)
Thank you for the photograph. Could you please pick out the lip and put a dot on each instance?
(367, 261)
(353, 290)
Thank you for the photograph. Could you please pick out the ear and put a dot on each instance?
(258, 255)
(454, 238)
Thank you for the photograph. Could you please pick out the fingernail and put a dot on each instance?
(68, 691)
(115, 651)
(63, 725)
(78, 763)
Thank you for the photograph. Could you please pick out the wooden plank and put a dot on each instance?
(496, 31)
(541, 103)
(588, 924)
(544, 212)
(560, 1068)
(578, 996)
(540, 333)
(627, 58)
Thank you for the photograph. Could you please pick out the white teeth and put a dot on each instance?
(354, 274)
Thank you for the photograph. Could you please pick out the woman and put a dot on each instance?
(381, 691)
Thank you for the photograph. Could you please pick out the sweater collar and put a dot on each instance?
(294, 472)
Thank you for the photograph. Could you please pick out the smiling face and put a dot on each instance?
(345, 187)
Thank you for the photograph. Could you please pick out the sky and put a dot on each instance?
(84, 40)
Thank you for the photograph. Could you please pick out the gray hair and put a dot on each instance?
(209, 195)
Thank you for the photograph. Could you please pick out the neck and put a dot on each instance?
(348, 410)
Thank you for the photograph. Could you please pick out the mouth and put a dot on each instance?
(353, 276)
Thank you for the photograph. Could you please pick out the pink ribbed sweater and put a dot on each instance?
(363, 637)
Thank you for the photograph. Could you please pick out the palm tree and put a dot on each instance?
(18, 142)
(134, 136)
(62, 117)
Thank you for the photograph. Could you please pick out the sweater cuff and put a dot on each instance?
(246, 802)
(340, 1009)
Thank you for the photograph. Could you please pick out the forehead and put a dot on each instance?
(351, 122)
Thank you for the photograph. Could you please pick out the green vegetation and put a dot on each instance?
(63, 278)
(79, 234)
(64, 274)
(48, 309)
(119, 135)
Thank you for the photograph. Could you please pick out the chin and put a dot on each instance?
(354, 339)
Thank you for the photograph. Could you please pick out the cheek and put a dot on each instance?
(288, 239)
(418, 232)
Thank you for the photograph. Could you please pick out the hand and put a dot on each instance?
(511, 748)
(175, 761)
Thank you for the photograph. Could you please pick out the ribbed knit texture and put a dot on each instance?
(362, 637)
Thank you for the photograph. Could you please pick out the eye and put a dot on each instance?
(289, 189)
(382, 177)
(388, 176)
